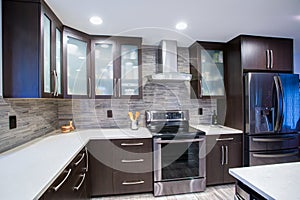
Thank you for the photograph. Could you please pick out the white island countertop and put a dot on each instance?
(277, 181)
(28, 170)
(216, 129)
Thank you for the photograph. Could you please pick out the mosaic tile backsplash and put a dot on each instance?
(37, 117)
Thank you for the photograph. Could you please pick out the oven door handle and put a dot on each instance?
(179, 141)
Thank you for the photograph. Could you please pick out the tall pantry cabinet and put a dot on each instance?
(32, 50)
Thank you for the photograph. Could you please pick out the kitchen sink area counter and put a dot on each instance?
(216, 129)
(276, 181)
(28, 170)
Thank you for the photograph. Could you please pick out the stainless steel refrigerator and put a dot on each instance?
(272, 118)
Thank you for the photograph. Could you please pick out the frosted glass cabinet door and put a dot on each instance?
(129, 70)
(212, 73)
(76, 67)
(58, 60)
(104, 73)
(47, 53)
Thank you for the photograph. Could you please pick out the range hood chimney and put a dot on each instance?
(167, 64)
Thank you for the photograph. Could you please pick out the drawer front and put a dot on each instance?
(80, 162)
(134, 145)
(130, 162)
(276, 142)
(132, 183)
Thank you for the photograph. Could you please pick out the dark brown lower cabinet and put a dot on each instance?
(72, 183)
(223, 152)
(120, 166)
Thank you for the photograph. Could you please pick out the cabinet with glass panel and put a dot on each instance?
(32, 50)
(116, 63)
(207, 69)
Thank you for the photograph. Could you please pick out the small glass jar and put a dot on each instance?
(134, 124)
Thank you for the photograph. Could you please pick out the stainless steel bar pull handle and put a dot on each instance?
(276, 128)
(224, 139)
(271, 59)
(273, 139)
(119, 83)
(133, 182)
(81, 182)
(87, 160)
(278, 155)
(268, 59)
(222, 159)
(226, 155)
(90, 88)
(81, 158)
(55, 83)
(132, 161)
(55, 188)
(133, 144)
(115, 87)
(179, 141)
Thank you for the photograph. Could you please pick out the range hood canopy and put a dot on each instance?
(167, 64)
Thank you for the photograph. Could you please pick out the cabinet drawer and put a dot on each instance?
(132, 183)
(134, 145)
(80, 162)
(133, 162)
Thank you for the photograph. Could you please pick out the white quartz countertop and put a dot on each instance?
(27, 171)
(278, 181)
(216, 129)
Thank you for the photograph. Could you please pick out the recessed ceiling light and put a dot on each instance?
(96, 20)
(181, 26)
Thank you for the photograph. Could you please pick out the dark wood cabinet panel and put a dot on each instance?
(224, 152)
(113, 162)
(23, 63)
(72, 183)
(266, 53)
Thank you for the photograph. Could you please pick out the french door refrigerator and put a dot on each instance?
(272, 118)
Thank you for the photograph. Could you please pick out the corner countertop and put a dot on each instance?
(277, 181)
(216, 129)
(28, 170)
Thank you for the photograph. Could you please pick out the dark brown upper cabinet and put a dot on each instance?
(32, 50)
(265, 53)
(117, 67)
(207, 69)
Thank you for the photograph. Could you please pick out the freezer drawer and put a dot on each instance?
(273, 142)
(273, 157)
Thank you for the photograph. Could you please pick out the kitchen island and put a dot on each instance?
(277, 181)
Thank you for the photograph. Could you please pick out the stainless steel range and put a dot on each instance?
(179, 153)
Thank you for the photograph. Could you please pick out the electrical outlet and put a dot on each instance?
(200, 111)
(109, 114)
(12, 122)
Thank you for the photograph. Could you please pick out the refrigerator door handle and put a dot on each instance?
(282, 102)
(277, 123)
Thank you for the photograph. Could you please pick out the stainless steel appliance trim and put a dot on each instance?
(157, 160)
(132, 144)
(115, 87)
(226, 155)
(133, 182)
(241, 194)
(90, 87)
(55, 188)
(151, 112)
(132, 161)
(282, 102)
(179, 141)
(81, 158)
(222, 159)
(271, 59)
(179, 187)
(277, 155)
(282, 139)
(79, 185)
(224, 139)
(87, 160)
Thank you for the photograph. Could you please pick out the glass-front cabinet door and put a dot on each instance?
(207, 69)
(51, 56)
(77, 80)
(103, 66)
(129, 80)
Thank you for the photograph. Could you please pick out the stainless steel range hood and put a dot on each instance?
(167, 64)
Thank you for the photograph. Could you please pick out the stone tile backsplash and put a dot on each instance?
(37, 117)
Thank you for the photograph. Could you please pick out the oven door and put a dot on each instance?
(178, 158)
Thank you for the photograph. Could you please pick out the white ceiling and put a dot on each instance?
(210, 20)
